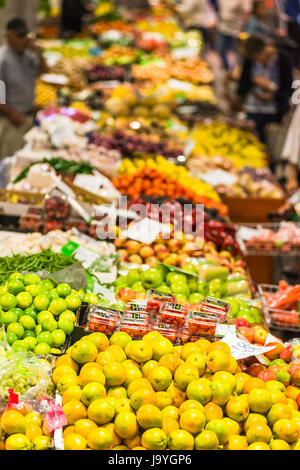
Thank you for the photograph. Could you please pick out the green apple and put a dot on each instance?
(195, 298)
(133, 276)
(152, 278)
(193, 284)
(164, 289)
(202, 287)
(190, 268)
(138, 287)
(175, 277)
(180, 288)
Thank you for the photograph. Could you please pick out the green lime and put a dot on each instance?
(18, 276)
(73, 302)
(28, 333)
(19, 346)
(49, 324)
(54, 294)
(59, 338)
(3, 289)
(66, 325)
(27, 322)
(31, 278)
(67, 315)
(41, 349)
(47, 284)
(11, 338)
(44, 315)
(90, 298)
(31, 312)
(18, 311)
(24, 300)
(57, 306)
(63, 290)
(8, 317)
(41, 302)
(45, 337)
(8, 301)
(34, 289)
(38, 330)
(15, 286)
(16, 328)
(30, 342)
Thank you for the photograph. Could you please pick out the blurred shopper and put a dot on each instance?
(21, 62)
(292, 11)
(133, 4)
(265, 85)
(291, 152)
(232, 15)
(258, 21)
(26, 10)
(72, 15)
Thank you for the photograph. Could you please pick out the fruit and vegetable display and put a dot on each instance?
(281, 238)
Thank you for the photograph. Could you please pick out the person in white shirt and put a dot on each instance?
(232, 15)
(198, 14)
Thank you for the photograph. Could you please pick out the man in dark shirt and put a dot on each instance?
(72, 15)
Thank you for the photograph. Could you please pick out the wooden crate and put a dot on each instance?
(251, 210)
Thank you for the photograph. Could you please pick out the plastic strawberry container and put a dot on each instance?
(172, 314)
(135, 320)
(170, 332)
(156, 299)
(103, 319)
(202, 324)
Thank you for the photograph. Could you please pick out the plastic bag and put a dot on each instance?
(75, 275)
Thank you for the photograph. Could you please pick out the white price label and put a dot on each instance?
(179, 85)
(214, 178)
(240, 349)
(185, 53)
(146, 231)
(223, 330)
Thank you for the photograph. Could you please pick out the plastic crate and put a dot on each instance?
(277, 318)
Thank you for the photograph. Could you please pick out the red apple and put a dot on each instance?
(132, 247)
(275, 352)
(286, 353)
(255, 369)
(266, 375)
(146, 252)
(295, 376)
(247, 332)
(260, 335)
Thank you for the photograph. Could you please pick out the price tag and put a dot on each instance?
(223, 330)
(179, 85)
(240, 349)
(146, 231)
(185, 53)
(214, 178)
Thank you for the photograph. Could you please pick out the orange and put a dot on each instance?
(212, 411)
(143, 396)
(91, 374)
(278, 411)
(292, 404)
(199, 390)
(217, 360)
(286, 429)
(296, 445)
(241, 378)
(169, 425)
(12, 422)
(32, 431)
(203, 343)
(84, 351)
(115, 374)
(170, 412)
(83, 426)
(178, 396)
(122, 404)
(259, 446)
(234, 426)
(137, 384)
(180, 440)
(92, 391)
(220, 391)
(18, 441)
(221, 428)
(163, 400)
(251, 383)
(106, 357)
(66, 381)
(132, 372)
(160, 378)
(206, 440)
(198, 360)
(100, 439)
(120, 338)
(41, 443)
(233, 366)
(218, 346)
(260, 400)
(225, 375)
(134, 442)
(190, 404)
(278, 397)
(140, 351)
(147, 367)
(254, 419)
(117, 392)
(101, 411)
(170, 361)
(149, 416)
(61, 371)
(237, 408)
(111, 427)
(154, 439)
(71, 393)
(279, 444)
(68, 430)
(192, 420)
(74, 410)
(236, 442)
(74, 441)
(259, 433)
(100, 340)
(66, 360)
(126, 425)
(118, 351)
(292, 391)
(190, 348)
(185, 374)
(33, 418)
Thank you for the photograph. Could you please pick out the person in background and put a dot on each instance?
(21, 62)
(232, 15)
(199, 15)
(133, 4)
(265, 85)
(291, 152)
(72, 14)
(258, 20)
(292, 11)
